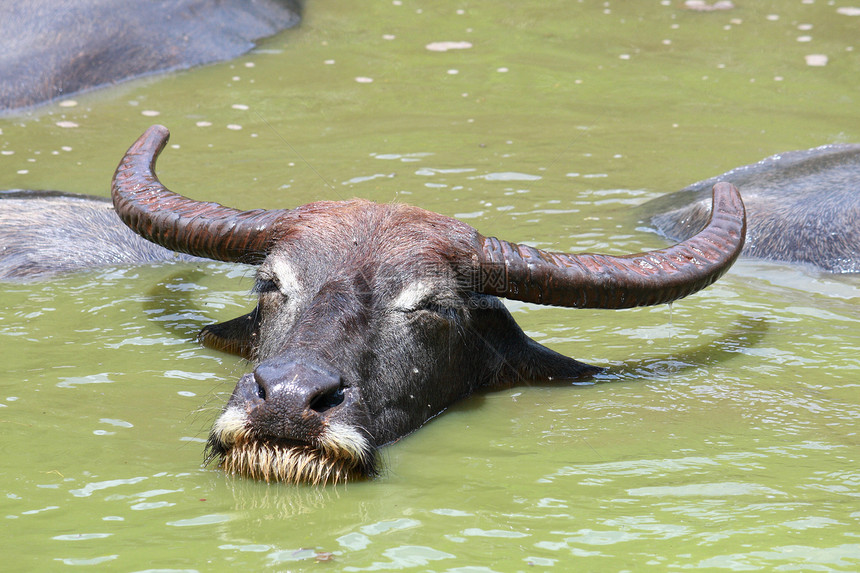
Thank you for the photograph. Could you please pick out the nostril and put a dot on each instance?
(327, 400)
(251, 387)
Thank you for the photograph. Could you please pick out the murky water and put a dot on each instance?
(724, 435)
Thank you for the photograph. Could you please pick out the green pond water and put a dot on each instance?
(724, 435)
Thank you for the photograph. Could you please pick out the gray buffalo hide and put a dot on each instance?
(802, 207)
(55, 48)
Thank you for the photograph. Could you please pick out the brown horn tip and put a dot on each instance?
(604, 281)
(180, 224)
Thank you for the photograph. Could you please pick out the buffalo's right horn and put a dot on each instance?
(180, 224)
(604, 281)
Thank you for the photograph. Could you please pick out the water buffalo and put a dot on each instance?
(802, 207)
(373, 318)
(53, 48)
(34, 246)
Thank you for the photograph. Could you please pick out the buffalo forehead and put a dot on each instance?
(358, 224)
(376, 241)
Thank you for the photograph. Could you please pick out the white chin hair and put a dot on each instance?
(342, 454)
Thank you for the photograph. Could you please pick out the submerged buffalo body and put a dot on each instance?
(802, 207)
(54, 48)
(44, 233)
(373, 318)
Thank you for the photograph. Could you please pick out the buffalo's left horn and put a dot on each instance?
(180, 224)
(600, 281)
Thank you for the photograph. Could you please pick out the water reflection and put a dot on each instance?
(744, 335)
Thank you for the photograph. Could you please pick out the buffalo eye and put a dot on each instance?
(440, 308)
(446, 312)
(265, 286)
(420, 298)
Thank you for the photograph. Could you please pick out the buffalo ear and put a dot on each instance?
(538, 363)
(237, 336)
(521, 360)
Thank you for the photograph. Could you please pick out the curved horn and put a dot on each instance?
(180, 224)
(603, 281)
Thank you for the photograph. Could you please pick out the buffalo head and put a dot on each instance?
(371, 319)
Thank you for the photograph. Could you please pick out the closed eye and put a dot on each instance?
(421, 297)
(263, 286)
(442, 310)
